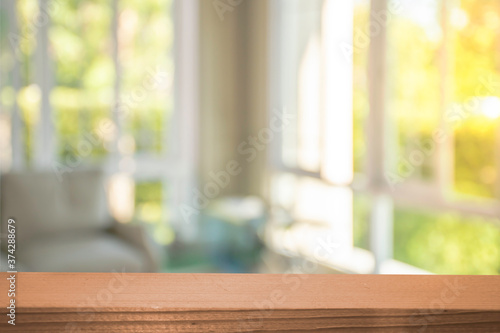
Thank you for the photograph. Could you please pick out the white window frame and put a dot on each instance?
(175, 167)
(416, 194)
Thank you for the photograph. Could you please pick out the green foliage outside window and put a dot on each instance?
(446, 242)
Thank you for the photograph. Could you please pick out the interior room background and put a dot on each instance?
(313, 136)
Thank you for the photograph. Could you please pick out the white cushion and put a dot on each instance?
(81, 252)
(41, 204)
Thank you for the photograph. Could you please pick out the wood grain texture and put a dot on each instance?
(117, 302)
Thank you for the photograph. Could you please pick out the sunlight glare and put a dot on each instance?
(490, 107)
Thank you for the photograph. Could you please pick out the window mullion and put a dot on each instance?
(445, 150)
(18, 151)
(44, 143)
(186, 41)
(379, 156)
(114, 160)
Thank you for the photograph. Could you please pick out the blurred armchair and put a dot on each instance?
(65, 226)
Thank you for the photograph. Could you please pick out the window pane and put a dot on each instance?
(312, 204)
(28, 97)
(360, 46)
(414, 37)
(447, 243)
(301, 75)
(361, 220)
(476, 104)
(7, 94)
(145, 39)
(148, 201)
(150, 209)
(476, 151)
(82, 96)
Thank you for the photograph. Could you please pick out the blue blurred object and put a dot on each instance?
(229, 229)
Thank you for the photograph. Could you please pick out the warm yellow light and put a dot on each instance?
(490, 107)
(459, 18)
(121, 197)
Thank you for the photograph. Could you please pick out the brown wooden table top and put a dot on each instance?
(129, 302)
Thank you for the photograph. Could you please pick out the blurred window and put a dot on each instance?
(92, 83)
(414, 152)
